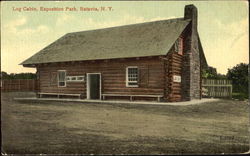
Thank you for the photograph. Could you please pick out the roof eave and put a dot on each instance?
(202, 55)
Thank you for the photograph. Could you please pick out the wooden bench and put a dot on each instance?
(58, 94)
(131, 96)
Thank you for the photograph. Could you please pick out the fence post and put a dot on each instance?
(231, 91)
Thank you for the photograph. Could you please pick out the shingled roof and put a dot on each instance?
(136, 40)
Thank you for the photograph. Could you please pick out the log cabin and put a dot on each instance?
(159, 60)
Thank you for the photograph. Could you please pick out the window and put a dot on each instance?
(179, 46)
(132, 76)
(61, 78)
(75, 78)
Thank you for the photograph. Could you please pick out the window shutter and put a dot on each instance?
(53, 78)
(143, 81)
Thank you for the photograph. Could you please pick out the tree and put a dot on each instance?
(211, 73)
(12, 76)
(239, 76)
(4, 75)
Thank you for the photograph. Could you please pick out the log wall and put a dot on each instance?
(173, 66)
(113, 76)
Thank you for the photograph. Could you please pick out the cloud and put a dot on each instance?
(127, 19)
(70, 23)
(227, 44)
(14, 27)
(65, 18)
(231, 29)
(162, 18)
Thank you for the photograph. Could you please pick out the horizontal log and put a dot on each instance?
(177, 56)
(173, 68)
(173, 64)
(174, 96)
(113, 81)
(64, 89)
(175, 72)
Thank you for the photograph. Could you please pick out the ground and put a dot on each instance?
(81, 128)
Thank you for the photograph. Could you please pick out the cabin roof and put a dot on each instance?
(136, 40)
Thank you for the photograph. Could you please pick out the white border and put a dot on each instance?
(100, 86)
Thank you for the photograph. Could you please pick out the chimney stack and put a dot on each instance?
(191, 13)
(191, 87)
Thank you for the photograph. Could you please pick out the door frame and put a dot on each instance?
(88, 86)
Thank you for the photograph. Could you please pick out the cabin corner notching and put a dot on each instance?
(160, 60)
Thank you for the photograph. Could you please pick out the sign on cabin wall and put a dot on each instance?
(177, 78)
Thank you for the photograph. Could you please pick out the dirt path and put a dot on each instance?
(73, 128)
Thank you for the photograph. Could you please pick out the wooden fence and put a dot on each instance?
(210, 87)
(19, 85)
(217, 88)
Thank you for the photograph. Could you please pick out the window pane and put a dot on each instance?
(61, 75)
(61, 83)
(79, 77)
(132, 83)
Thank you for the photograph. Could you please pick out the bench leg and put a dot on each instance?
(158, 99)
(131, 99)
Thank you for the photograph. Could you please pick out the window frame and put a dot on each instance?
(65, 80)
(76, 78)
(127, 77)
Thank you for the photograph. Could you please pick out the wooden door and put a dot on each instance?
(94, 86)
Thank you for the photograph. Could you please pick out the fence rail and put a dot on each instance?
(217, 88)
(19, 85)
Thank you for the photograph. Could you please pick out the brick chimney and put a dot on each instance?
(191, 75)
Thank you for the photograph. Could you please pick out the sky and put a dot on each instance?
(222, 26)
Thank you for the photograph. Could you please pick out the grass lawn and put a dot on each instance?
(77, 128)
